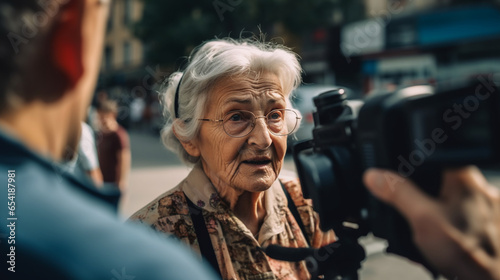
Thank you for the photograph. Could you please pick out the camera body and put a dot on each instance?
(416, 131)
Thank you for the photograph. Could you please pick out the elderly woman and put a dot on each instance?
(232, 116)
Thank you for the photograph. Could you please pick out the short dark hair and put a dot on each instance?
(22, 24)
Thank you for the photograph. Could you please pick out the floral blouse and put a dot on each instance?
(237, 250)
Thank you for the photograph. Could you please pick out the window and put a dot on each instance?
(109, 24)
(127, 53)
(128, 11)
(108, 57)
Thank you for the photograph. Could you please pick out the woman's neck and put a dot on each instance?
(249, 207)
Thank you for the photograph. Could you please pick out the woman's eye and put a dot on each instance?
(275, 116)
(235, 117)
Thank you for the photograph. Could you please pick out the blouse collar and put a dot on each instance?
(202, 193)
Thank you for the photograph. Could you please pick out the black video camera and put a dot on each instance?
(416, 131)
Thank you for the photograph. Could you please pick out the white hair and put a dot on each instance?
(208, 63)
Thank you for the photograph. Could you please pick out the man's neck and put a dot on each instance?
(112, 127)
(35, 126)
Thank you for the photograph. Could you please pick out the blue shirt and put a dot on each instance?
(59, 227)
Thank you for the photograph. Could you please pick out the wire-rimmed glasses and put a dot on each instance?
(240, 123)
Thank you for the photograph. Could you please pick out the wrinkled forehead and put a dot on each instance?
(259, 86)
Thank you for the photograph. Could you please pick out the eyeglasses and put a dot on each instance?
(240, 123)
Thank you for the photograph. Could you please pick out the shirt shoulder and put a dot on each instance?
(122, 138)
(78, 228)
(170, 203)
(169, 214)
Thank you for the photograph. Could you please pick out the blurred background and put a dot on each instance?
(365, 45)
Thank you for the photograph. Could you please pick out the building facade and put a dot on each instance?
(123, 53)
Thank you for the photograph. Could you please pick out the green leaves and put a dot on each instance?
(170, 29)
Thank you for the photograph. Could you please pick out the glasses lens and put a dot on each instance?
(238, 123)
(276, 122)
(282, 122)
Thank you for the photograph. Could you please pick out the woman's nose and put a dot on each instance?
(260, 134)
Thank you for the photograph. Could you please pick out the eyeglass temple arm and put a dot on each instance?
(210, 120)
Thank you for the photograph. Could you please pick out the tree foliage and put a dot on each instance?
(170, 29)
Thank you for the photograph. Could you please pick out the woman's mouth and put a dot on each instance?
(257, 162)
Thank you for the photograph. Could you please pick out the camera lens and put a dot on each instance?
(330, 105)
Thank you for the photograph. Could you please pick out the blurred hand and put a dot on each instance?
(459, 232)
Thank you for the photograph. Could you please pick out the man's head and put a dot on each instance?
(106, 112)
(50, 54)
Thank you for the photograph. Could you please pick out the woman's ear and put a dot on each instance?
(67, 42)
(191, 147)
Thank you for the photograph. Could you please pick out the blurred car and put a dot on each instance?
(302, 100)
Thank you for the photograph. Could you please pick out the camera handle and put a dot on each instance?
(339, 260)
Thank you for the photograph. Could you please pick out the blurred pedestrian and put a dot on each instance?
(85, 161)
(101, 96)
(113, 146)
(137, 107)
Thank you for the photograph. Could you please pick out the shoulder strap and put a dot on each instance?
(206, 248)
(295, 213)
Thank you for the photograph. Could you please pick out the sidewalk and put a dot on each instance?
(148, 183)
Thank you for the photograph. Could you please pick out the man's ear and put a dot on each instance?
(190, 146)
(67, 42)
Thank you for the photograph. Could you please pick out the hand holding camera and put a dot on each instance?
(458, 231)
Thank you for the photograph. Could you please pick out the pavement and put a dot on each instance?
(155, 170)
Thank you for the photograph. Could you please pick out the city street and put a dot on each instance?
(155, 170)
(386, 109)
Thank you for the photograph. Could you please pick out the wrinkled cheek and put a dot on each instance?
(280, 150)
(277, 168)
(230, 164)
(280, 147)
(220, 152)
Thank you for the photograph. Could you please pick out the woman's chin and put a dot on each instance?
(257, 184)
(257, 177)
